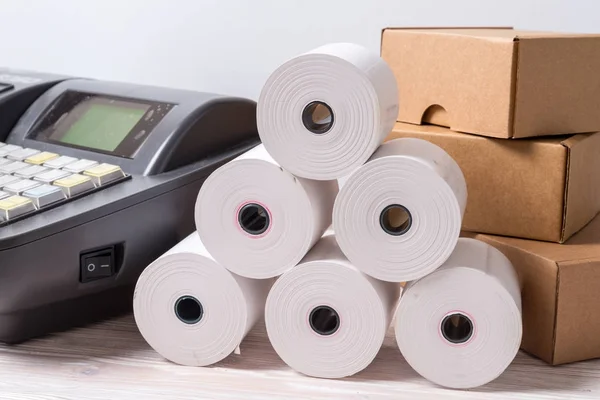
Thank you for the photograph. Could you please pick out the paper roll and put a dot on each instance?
(258, 220)
(460, 327)
(322, 114)
(398, 217)
(191, 310)
(325, 318)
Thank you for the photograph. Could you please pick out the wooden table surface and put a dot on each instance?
(111, 361)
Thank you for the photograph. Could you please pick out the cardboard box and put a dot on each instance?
(542, 188)
(499, 82)
(561, 293)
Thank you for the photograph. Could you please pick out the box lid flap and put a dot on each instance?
(498, 33)
(583, 246)
(565, 141)
(570, 141)
(582, 195)
(557, 85)
(501, 33)
(522, 35)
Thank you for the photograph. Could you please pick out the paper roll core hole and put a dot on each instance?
(317, 117)
(395, 220)
(254, 219)
(457, 328)
(324, 320)
(189, 310)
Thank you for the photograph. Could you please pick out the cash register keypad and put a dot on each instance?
(31, 180)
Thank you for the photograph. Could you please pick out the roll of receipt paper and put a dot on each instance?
(327, 319)
(322, 114)
(191, 310)
(460, 327)
(257, 219)
(398, 217)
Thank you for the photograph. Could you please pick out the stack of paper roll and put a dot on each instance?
(316, 229)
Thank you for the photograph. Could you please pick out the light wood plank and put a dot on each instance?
(112, 361)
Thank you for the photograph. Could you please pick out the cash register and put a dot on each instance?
(98, 179)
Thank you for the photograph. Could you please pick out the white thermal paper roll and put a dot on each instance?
(191, 310)
(398, 217)
(258, 220)
(460, 327)
(325, 318)
(322, 114)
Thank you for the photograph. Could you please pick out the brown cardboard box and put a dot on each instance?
(561, 293)
(496, 82)
(541, 188)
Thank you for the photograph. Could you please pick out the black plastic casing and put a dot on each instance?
(140, 218)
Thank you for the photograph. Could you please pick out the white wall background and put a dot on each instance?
(230, 46)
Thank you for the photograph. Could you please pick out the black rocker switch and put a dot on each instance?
(97, 265)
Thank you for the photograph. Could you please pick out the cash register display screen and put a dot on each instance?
(99, 123)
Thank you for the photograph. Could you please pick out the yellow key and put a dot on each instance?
(72, 180)
(75, 184)
(13, 202)
(14, 206)
(41, 158)
(103, 174)
(102, 169)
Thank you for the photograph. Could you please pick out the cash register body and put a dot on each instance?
(139, 155)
